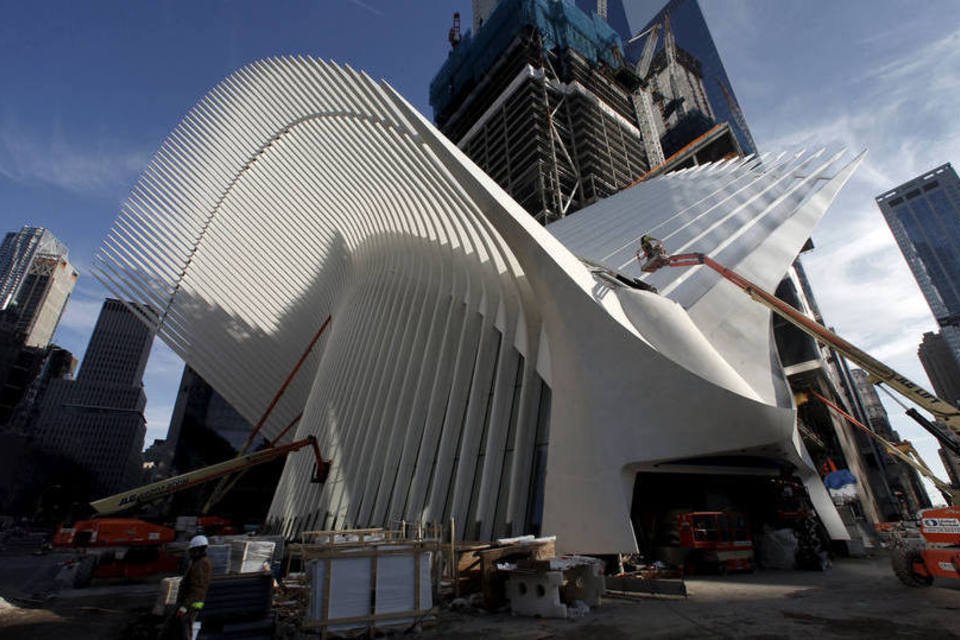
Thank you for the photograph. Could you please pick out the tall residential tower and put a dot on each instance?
(36, 280)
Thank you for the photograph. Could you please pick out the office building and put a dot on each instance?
(698, 113)
(906, 494)
(924, 215)
(36, 280)
(97, 419)
(942, 367)
(26, 378)
(476, 365)
(205, 429)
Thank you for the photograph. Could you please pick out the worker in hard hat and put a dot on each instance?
(652, 254)
(650, 246)
(192, 591)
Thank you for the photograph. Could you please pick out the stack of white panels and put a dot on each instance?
(374, 590)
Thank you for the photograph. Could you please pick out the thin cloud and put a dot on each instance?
(164, 363)
(364, 5)
(943, 54)
(28, 157)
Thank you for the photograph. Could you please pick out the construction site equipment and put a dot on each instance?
(945, 412)
(717, 540)
(238, 465)
(140, 495)
(903, 451)
(118, 548)
(922, 551)
(929, 548)
(227, 483)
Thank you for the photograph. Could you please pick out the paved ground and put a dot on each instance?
(31, 607)
(854, 599)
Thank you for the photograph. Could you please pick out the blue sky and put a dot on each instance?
(89, 90)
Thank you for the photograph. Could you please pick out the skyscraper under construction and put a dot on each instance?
(540, 97)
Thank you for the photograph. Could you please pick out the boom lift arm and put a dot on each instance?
(653, 256)
(238, 465)
(140, 495)
(903, 451)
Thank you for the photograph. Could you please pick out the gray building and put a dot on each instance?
(924, 215)
(941, 365)
(943, 369)
(205, 429)
(36, 280)
(902, 481)
(98, 418)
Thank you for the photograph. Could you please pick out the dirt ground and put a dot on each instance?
(854, 599)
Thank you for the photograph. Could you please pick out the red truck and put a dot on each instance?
(718, 540)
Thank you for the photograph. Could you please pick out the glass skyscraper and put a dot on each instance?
(631, 18)
(924, 215)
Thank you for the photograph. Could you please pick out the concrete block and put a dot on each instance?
(536, 594)
(583, 582)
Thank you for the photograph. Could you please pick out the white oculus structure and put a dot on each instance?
(475, 367)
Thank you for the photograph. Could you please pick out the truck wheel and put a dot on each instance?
(902, 559)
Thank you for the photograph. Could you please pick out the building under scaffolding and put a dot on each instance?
(541, 99)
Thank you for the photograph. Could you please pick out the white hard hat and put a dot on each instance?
(198, 541)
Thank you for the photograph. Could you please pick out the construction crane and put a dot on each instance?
(648, 125)
(670, 50)
(649, 47)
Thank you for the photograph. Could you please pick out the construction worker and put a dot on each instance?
(192, 591)
(650, 246)
(652, 254)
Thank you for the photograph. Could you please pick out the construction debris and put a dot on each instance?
(559, 587)
(657, 579)
(489, 558)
